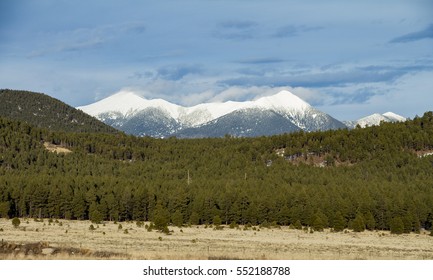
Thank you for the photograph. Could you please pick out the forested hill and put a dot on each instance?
(44, 111)
(372, 178)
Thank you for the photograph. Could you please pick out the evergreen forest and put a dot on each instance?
(43, 111)
(378, 177)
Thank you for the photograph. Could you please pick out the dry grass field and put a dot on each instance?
(64, 239)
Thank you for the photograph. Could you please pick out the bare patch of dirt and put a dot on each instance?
(56, 148)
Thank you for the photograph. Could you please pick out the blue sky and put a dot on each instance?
(347, 58)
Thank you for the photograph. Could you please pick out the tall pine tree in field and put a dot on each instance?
(161, 217)
(358, 224)
(396, 225)
(339, 222)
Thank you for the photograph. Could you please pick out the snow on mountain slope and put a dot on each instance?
(394, 117)
(376, 119)
(128, 103)
(283, 102)
(127, 111)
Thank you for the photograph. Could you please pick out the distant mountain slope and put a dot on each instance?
(242, 123)
(44, 111)
(376, 119)
(159, 118)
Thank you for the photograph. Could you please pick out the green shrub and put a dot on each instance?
(265, 224)
(216, 221)
(396, 226)
(298, 224)
(16, 222)
(150, 227)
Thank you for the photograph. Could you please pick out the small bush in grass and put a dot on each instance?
(119, 227)
(16, 222)
(140, 223)
(160, 238)
(166, 230)
(150, 227)
(1, 229)
(91, 227)
(217, 220)
(126, 231)
(274, 224)
(265, 224)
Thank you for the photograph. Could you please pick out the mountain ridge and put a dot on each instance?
(43, 111)
(125, 106)
(375, 119)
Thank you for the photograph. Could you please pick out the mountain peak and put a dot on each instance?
(394, 117)
(376, 119)
(283, 100)
(123, 102)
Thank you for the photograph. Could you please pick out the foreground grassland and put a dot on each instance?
(66, 239)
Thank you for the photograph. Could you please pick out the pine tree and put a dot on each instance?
(396, 225)
(339, 222)
(320, 221)
(177, 218)
(194, 219)
(94, 214)
(216, 221)
(4, 209)
(298, 224)
(370, 223)
(161, 217)
(358, 224)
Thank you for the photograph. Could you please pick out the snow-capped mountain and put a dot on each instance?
(279, 113)
(376, 119)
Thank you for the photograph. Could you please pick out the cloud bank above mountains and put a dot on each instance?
(348, 59)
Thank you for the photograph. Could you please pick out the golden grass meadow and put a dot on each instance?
(71, 239)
